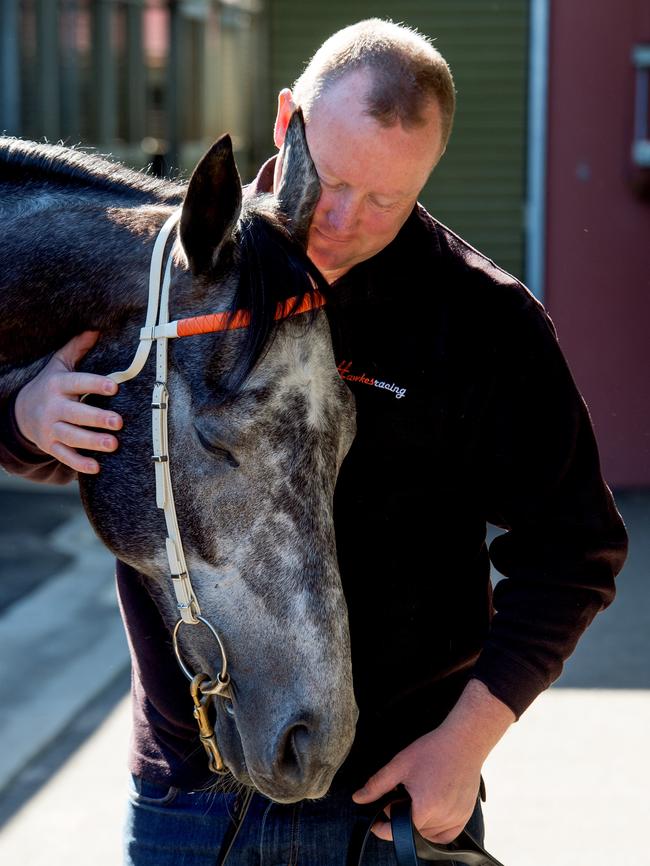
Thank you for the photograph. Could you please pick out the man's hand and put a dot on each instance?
(442, 769)
(49, 414)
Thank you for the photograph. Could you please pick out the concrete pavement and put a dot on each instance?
(566, 786)
(60, 647)
(61, 644)
(67, 806)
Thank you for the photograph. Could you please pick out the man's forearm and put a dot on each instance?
(478, 720)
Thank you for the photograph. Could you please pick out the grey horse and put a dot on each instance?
(260, 423)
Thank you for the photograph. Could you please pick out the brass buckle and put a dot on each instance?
(202, 689)
(206, 731)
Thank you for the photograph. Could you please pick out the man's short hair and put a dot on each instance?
(407, 72)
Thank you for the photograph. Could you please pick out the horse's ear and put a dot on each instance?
(211, 206)
(299, 188)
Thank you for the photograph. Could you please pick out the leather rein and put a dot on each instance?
(159, 329)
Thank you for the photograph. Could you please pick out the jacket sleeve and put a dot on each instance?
(541, 480)
(19, 456)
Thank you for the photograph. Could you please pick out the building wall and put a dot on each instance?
(479, 187)
(598, 228)
(150, 81)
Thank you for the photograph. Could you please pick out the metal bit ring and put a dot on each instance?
(220, 686)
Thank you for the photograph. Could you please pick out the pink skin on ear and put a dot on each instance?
(286, 107)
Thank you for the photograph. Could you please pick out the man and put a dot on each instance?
(466, 414)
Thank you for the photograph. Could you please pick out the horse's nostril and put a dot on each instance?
(293, 750)
(229, 707)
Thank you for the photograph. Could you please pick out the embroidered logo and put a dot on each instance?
(346, 373)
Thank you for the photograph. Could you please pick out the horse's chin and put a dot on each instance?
(283, 791)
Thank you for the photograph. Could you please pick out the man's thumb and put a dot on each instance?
(382, 782)
(76, 348)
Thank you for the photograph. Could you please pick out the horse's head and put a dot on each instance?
(260, 422)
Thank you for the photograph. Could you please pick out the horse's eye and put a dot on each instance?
(217, 450)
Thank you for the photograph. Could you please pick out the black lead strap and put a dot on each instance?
(409, 844)
(234, 828)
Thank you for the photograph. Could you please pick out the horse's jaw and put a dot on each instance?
(292, 718)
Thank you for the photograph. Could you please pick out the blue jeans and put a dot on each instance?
(169, 827)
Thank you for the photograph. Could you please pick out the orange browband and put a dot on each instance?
(241, 318)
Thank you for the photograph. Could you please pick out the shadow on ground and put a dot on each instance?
(27, 559)
(46, 765)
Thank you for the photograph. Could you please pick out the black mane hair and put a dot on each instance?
(273, 268)
(44, 163)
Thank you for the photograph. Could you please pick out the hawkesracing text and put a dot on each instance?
(345, 372)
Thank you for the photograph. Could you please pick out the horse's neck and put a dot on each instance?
(71, 268)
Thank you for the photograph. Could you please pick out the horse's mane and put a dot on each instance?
(70, 166)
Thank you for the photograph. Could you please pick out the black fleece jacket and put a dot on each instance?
(466, 414)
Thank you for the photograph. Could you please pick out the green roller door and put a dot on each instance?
(478, 189)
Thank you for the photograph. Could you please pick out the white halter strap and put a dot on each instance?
(155, 274)
(156, 320)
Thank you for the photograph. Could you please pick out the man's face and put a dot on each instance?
(370, 175)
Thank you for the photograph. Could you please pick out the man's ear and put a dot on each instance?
(286, 108)
(298, 188)
(211, 207)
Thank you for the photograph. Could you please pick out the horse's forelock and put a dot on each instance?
(272, 269)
